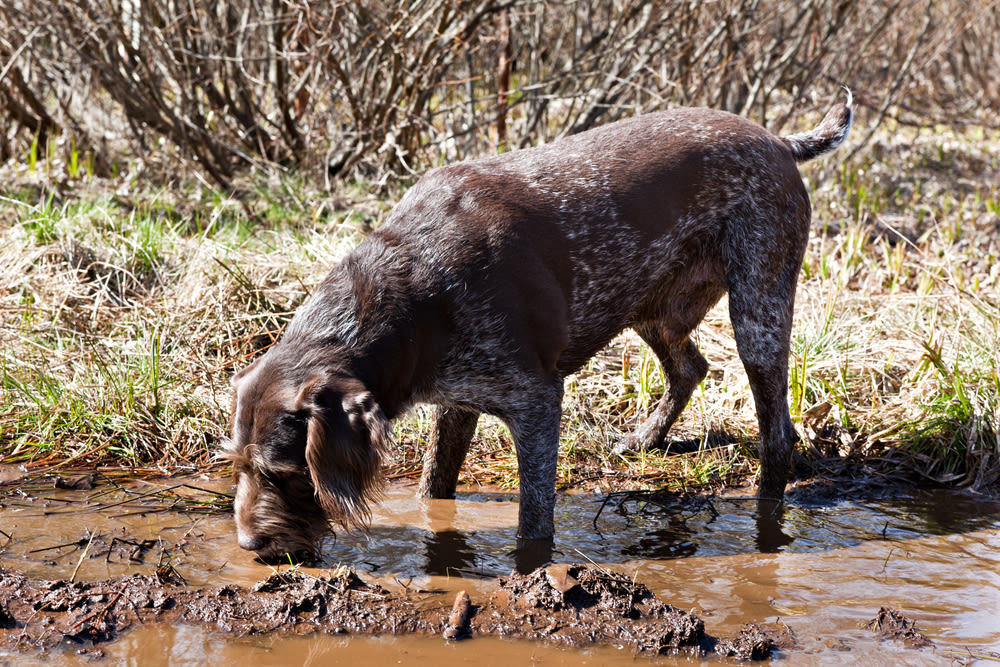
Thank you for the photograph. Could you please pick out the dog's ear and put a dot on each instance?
(347, 435)
(243, 372)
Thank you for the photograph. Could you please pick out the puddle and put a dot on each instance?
(824, 570)
(180, 645)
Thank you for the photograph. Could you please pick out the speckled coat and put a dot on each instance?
(492, 280)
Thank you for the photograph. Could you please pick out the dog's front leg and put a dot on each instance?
(449, 443)
(534, 425)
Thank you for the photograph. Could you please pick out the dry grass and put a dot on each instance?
(123, 314)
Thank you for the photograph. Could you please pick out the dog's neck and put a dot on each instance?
(365, 310)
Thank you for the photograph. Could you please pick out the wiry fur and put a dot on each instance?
(492, 280)
(307, 453)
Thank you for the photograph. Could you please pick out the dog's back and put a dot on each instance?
(546, 254)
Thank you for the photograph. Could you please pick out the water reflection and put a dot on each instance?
(770, 517)
(448, 552)
(475, 535)
(742, 525)
(826, 567)
(674, 540)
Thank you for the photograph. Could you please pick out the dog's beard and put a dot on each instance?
(291, 526)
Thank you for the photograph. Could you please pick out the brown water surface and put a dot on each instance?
(822, 569)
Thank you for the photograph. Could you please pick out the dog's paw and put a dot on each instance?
(634, 444)
(629, 444)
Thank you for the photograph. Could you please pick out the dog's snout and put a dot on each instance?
(250, 542)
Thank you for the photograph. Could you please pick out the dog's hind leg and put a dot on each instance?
(683, 368)
(449, 443)
(760, 307)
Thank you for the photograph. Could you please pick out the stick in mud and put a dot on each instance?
(458, 621)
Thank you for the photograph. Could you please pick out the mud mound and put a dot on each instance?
(48, 613)
(573, 605)
(754, 643)
(577, 605)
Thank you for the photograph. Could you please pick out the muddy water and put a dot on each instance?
(822, 569)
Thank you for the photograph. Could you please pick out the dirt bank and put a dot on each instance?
(572, 605)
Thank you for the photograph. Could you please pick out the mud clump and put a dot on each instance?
(50, 613)
(752, 643)
(576, 606)
(572, 605)
(891, 624)
(46, 613)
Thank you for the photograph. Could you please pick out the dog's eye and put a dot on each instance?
(288, 439)
(293, 424)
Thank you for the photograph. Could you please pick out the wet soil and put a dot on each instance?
(574, 605)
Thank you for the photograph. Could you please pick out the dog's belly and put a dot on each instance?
(675, 297)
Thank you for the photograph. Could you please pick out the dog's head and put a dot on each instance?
(306, 451)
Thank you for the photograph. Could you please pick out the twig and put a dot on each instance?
(78, 543)
(458, 620)
(17, 53)
(593, 562)
(86, 549)
(120, 502)
(968, 653)
(887, 557)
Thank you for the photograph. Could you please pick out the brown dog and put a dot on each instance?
(493, 280)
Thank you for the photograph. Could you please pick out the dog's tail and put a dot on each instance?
(826, 136)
